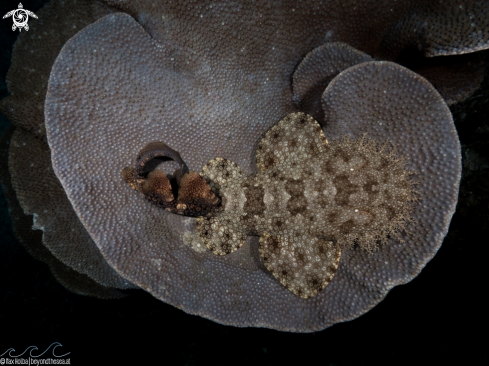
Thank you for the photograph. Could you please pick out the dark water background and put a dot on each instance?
(438, 318)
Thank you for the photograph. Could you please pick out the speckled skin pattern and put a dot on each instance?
(220, 105)
(308, 201)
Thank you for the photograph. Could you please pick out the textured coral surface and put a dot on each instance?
(85, 110)
(449, 288)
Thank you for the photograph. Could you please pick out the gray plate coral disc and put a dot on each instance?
(145, 245)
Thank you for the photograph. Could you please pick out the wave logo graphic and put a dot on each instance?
(20, 17)
(30, 349)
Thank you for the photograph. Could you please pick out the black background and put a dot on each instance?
(438, 318)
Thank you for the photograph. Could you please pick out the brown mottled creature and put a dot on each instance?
(309, 199)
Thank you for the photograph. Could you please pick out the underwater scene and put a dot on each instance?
(244, 181)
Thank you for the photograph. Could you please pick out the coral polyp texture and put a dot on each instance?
(146, 243)
(93, 82)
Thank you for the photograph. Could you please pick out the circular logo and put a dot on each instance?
(20, 18)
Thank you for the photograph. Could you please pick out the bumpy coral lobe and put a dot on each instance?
(34, 54)
(38, 190)
(32, 240)
(316, 71)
